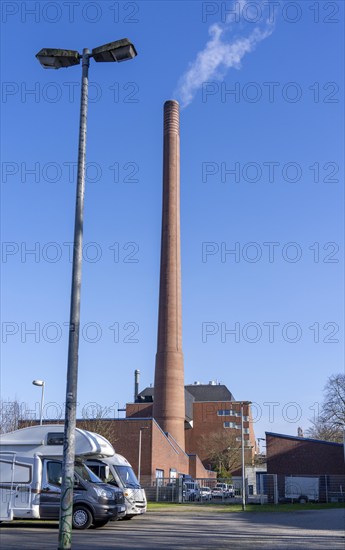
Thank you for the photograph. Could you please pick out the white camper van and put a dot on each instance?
(117, 471)
(31, 472)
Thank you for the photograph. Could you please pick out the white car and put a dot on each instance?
(205, 493)
(223, 490)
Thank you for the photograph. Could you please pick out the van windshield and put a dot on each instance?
(85, 473)
(127, 477)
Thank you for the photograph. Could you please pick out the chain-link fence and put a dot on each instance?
(264, 488)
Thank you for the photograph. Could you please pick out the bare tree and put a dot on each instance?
(329, 425)
(98, 421)
(12, 415)
(223, 452)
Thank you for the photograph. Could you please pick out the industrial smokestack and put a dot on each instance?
(169, 399)
(136, 384)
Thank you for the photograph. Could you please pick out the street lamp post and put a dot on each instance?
(243, 467)
(118, 51)
(42, 384)
(242, 457)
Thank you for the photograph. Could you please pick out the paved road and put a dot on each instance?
(312, 530)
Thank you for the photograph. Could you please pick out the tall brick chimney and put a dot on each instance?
(169, 399)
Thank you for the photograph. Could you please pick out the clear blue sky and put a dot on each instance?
(260, 165)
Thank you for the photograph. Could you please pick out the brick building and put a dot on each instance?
(287, 454)
(210, 409)
(215, 411)
(160, 454)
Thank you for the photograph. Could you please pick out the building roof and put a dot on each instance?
(145, 396)
(210, 392)
(297, 438)
(193, 392)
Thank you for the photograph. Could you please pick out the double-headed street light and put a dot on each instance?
(247, 403)
(50, 58)
(40, 383)
(120, 50)
(242, 404)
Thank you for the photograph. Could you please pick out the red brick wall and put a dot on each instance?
(157, 450)
(206, 422)
(197, 470)
(143, 410)
(166, 454)
(303, 456)
(124, 436)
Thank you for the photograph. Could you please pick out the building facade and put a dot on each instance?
(288, 455)
(213, 418)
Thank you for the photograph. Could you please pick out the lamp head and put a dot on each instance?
(38, 382)
(120, 50)
(52, 58)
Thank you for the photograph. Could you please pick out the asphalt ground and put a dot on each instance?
(312, 530)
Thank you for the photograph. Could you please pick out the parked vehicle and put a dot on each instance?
(205, 493)
(302, 489)
(223, 490)
(217, 492)
(117, 471)
(31, 475)
(231, 491)
(191, 490)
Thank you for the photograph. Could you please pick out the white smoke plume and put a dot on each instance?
(218, 56)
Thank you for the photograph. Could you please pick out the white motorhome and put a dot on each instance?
(31, 472)
(117, 471)
(96, 451)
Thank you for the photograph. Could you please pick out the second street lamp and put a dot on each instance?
(50, 58)
(41, 384)
(247, 403)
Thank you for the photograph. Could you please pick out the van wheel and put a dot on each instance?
(82, 518)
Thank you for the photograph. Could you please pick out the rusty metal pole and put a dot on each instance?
(66, 504)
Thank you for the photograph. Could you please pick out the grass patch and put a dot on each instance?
(221, 508)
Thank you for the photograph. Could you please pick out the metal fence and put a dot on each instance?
(264, 489)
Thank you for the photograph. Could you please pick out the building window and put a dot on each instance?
(232, 425)
(246, 418)
(228, 412)
(246, 430)
(159, 477)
